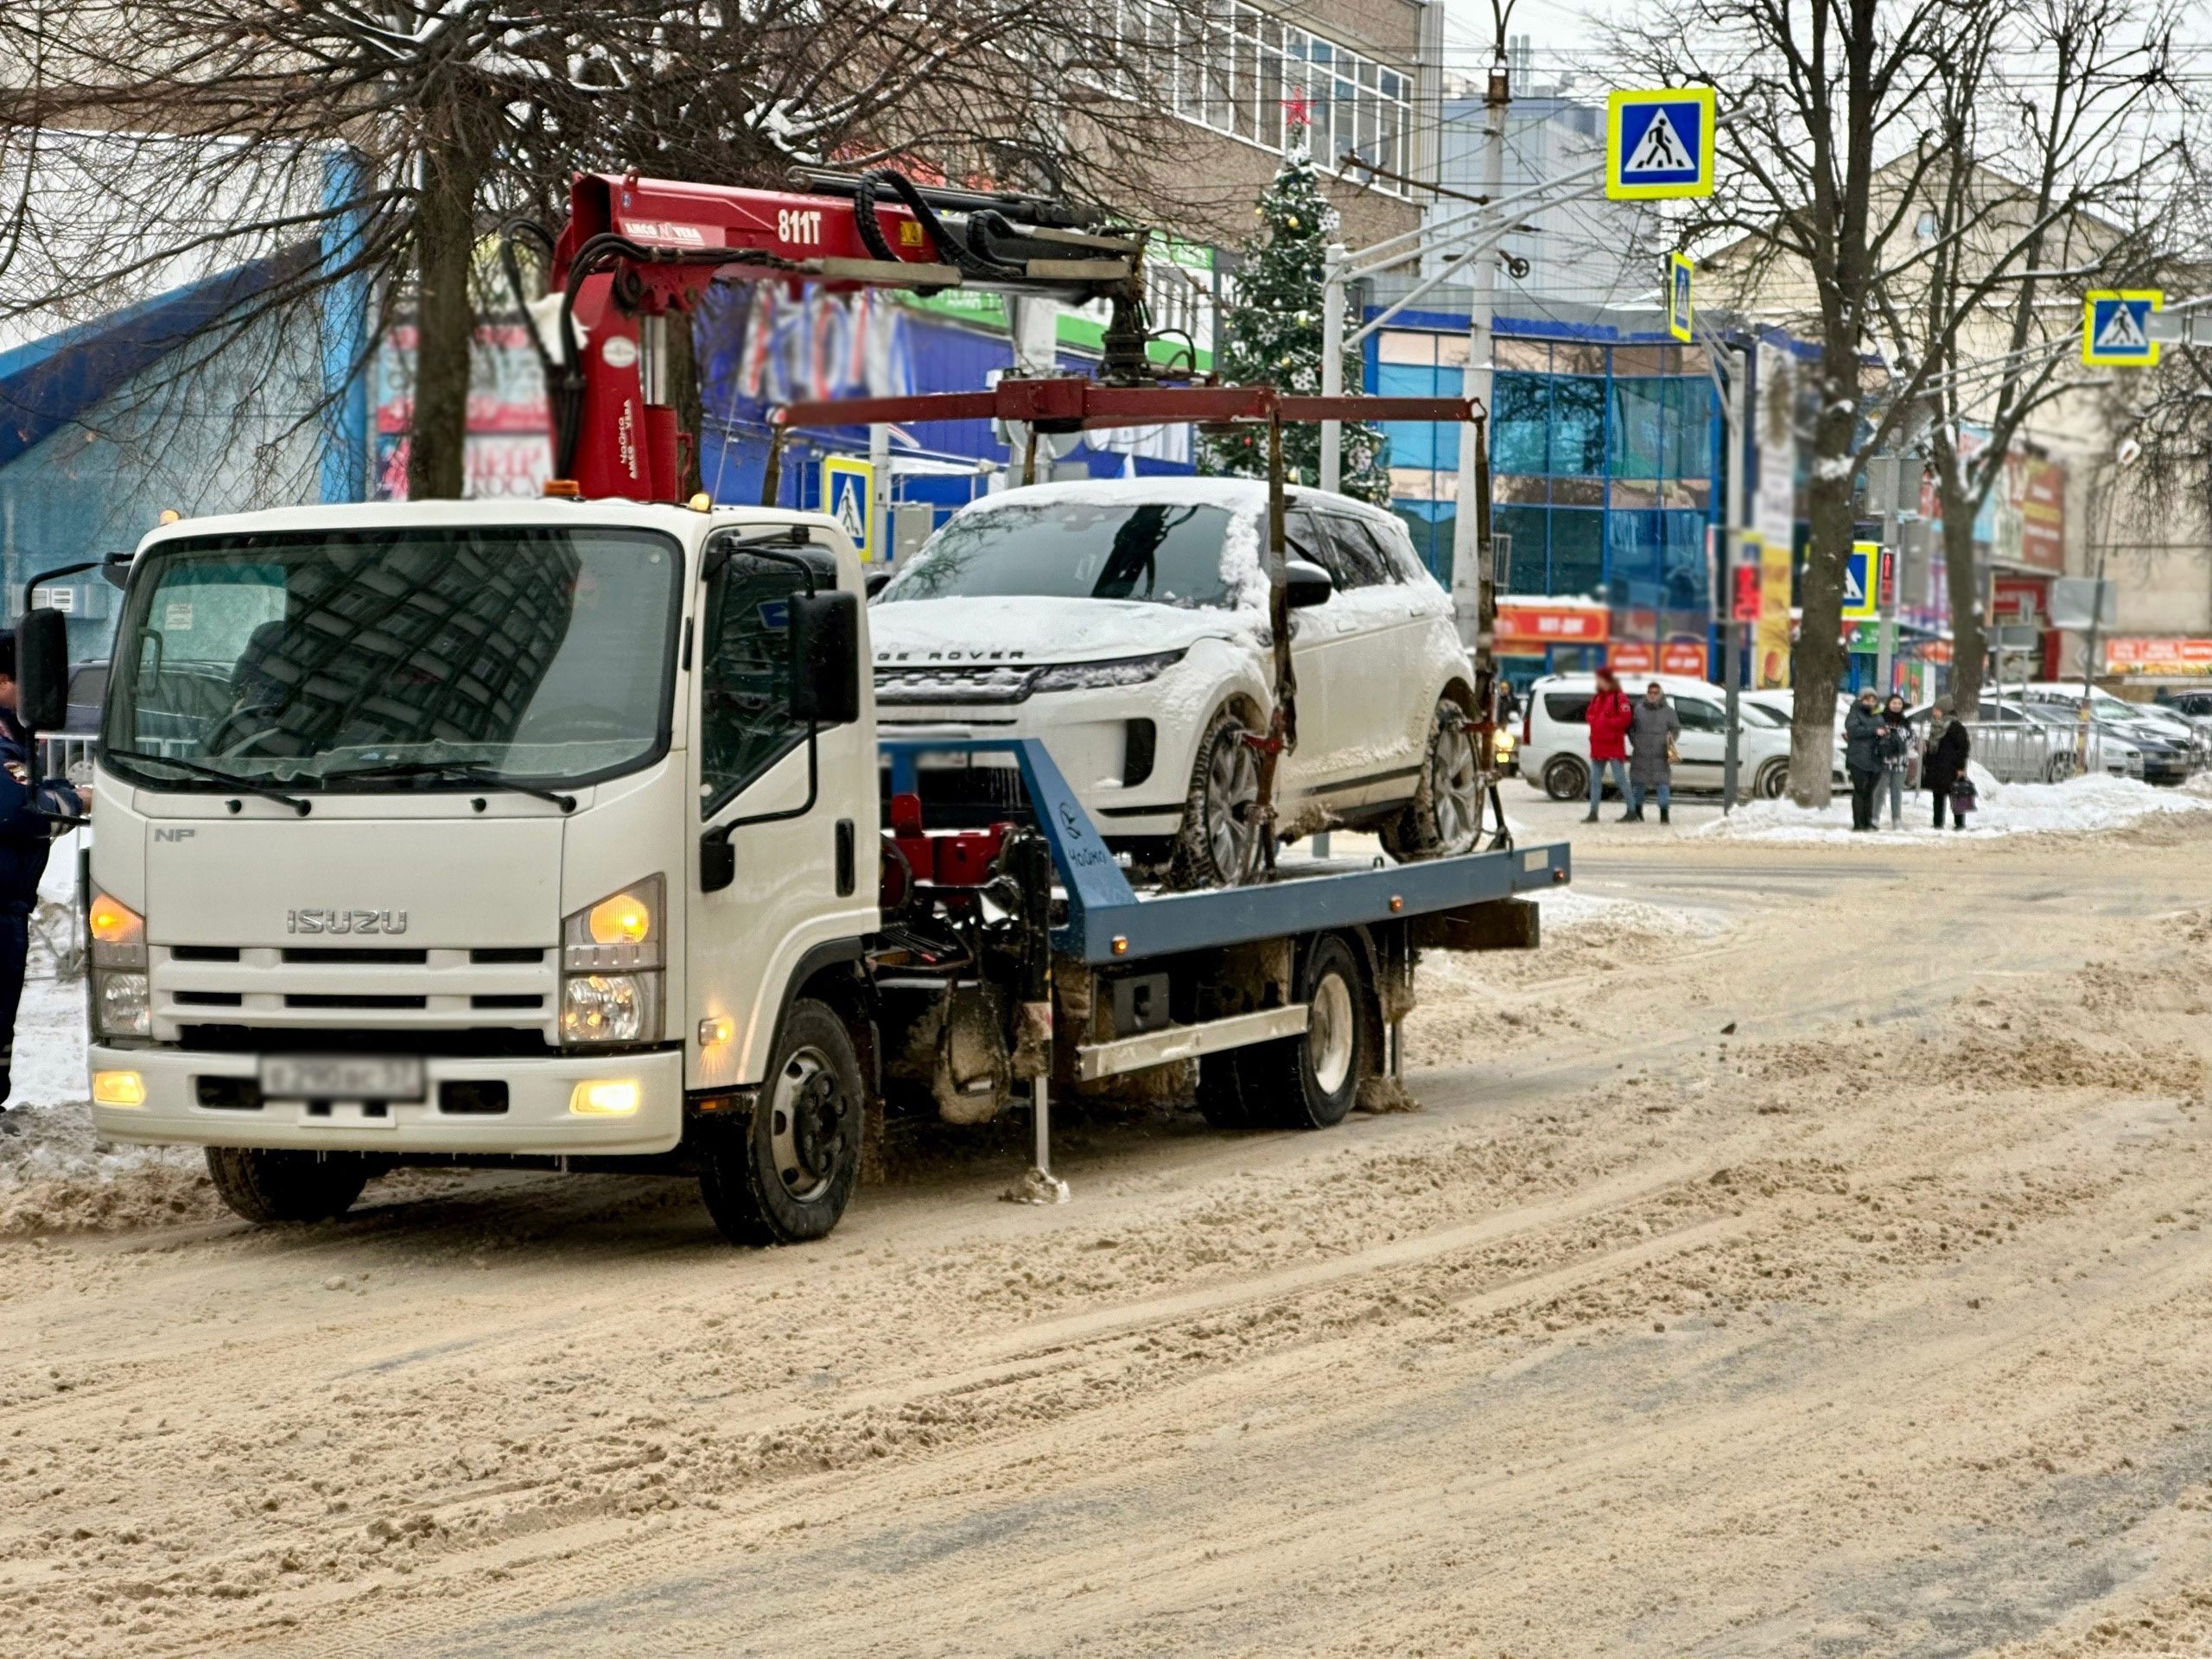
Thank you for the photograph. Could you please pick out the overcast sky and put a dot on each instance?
(1555, 29)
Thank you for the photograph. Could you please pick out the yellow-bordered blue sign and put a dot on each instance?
(2116, 328)
(849, 496)
(1680, 266)
(1659, 144)
(1862, 598)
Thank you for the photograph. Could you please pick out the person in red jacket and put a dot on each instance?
(1610, 712)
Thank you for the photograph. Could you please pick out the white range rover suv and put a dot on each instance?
(1125, 623)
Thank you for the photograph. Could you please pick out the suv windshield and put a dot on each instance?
(516, 652)
(1149, 552)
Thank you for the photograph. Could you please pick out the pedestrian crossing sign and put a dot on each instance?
(1679, 268)
(1659, 144)
(1861, 598)
(2116, 327)
(849, 496)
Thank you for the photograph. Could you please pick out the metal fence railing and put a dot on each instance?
(70, 757)
(2016, 754)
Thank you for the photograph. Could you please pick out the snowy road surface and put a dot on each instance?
(1881, 1326)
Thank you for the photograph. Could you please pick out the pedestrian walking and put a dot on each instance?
(1943, 766)
(1862, 757)
(1610, 715)
(1896, 754)
(1651, 737)
(26, 835)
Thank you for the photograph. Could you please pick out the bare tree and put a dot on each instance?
(1814, 99)
(1860, 203)
(388, 136)
(2061, 134)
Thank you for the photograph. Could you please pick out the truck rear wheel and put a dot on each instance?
(265, 1186)
(786, 1176)
(1307, 1082)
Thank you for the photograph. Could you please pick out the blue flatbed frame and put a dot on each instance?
(1107, 921)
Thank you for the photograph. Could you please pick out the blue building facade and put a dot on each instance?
(1606, 459)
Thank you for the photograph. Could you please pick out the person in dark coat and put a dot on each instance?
(25, 833)
(1609, 714)
(1651, 737)
(1896, 755)
(1862, 757)
(1944, 762)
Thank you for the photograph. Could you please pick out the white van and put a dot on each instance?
(1556, 737)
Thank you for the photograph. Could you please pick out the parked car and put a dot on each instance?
(2118, 754)
(2173, 748)
(1125, 623)
(2194, 706)
(87, 691)
(1556, 737)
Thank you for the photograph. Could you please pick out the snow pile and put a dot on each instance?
(1572, 909)
(52, 1175)
(2081, 806)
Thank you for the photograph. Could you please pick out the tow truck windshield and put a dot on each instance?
(397, 659)
(1071, 549)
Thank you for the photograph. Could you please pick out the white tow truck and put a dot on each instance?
(559, 834)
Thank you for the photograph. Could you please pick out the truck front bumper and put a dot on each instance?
(539, 1116)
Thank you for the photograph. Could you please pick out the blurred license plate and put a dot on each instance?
(341, 1076)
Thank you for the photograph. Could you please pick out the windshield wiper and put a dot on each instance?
(250, 786)
(458, 771)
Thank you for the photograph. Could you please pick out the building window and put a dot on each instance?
(1235, 70)
(1602, 460)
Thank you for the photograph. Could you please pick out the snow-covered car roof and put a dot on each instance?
(1242, 496)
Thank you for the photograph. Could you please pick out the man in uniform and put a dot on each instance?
(26, 836)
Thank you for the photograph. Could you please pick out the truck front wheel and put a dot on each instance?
(265, 1186)
(786, 1176)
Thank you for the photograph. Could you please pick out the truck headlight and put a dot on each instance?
(610, 1008)
(118, 933)
(622, 931)
(611, 955)
(120, 1003)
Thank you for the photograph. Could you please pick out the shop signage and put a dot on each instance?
(2139, 655)
(1519, 623)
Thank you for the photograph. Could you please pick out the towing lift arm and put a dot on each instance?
(635, 249)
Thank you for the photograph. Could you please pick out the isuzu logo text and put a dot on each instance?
(345, 921)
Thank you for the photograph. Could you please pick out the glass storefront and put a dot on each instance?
(1603, 459)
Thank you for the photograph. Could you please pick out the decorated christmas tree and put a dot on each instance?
(1271, 335)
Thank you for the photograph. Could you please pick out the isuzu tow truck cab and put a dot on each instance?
(426, 828)
(561, 834)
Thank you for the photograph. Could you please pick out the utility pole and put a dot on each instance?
(1470, 545)
(1731, 553)
(1332, 361)
(1885, 598)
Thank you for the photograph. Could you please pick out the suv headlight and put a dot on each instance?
(121, 1005)
(612, 954)
(1094, 676)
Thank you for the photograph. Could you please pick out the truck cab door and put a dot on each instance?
(805, 872)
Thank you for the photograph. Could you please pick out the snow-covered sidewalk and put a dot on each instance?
(2080, 806)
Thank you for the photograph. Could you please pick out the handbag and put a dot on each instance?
(1962, 795)
(1674, 755)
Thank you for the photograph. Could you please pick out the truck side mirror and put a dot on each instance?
(877, 581)
(1306, 584)
(43, 670)
(826, 658)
